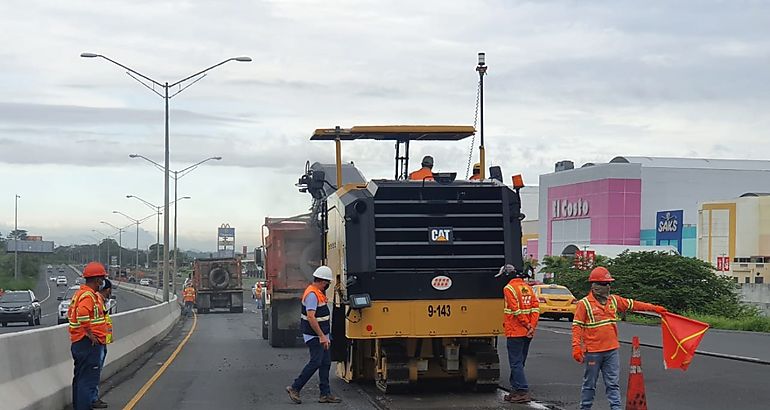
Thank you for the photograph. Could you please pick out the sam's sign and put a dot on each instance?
(668, 228)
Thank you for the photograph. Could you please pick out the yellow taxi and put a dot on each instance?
(556, 301)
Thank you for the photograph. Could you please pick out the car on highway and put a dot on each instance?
(556, 301)
(52, 277)
(49, 268)
(64, 303)
(61, 280)
(145, 282)
(61, 269)
(20, 306)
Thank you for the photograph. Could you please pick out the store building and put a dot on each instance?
(738, 231)
(637, 201)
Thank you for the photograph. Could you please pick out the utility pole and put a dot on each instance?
(482, 70)
(16, 274)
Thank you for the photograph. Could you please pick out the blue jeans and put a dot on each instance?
(320, 360)
(95, 392)
(87, 357)
(609, 364)
(518, 348)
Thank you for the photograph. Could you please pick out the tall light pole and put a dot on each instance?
(106, 238)
(137, 222)
(177, 175)
(166, 86)
(16, 238)
(482, 70)
(158, 209)
(120, 243)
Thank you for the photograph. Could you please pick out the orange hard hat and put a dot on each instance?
(94, 269)
(600, 274)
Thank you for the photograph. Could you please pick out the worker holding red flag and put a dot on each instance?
(595, 336)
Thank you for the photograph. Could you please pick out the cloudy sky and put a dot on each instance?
(576, 80)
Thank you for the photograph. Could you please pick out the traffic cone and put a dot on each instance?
(636, 399)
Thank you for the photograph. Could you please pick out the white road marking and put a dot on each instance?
(48, 284)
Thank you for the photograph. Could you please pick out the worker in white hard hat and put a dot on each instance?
(315, 323)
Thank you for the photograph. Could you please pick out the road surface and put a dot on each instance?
(47, 292)
(226, 364)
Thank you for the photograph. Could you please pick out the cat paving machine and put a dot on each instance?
(416, 294)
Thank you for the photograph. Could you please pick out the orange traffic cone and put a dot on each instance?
(635, 397)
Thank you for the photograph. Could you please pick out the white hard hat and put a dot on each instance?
(323, 272)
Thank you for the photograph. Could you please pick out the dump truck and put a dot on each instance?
(292, 251)
(218, 284)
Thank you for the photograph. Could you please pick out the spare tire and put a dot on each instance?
(219, 278)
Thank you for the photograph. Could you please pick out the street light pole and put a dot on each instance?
(120, 243)
(137, 222)
(176, 177)
(16, 238)
(195, 77)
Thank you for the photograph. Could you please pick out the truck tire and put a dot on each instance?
(219, 278)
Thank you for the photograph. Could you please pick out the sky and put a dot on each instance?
(578, 80)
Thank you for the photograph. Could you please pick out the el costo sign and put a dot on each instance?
(566, 208)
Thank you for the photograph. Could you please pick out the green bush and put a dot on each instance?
(681, 284)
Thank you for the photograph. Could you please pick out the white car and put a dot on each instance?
(61, 280)
(144, 282)
(65, 304)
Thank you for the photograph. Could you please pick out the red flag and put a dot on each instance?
(681, 337)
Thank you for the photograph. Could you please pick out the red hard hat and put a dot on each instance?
(94, 269)
(600, 274)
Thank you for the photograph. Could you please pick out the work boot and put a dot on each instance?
(293, 395)
(518, 397)
(99, 404)
(328, 398)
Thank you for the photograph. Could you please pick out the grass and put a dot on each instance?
(29, 267)
(748, 324)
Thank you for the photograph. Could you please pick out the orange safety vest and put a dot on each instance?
(594, 326)
(107, 320)
(86, 312)
(189, 294)
(522, 309)
(422, 173)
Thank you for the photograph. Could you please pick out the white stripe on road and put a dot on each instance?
(48, 284)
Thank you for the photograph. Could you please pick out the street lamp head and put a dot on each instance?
(115, 212)
(185, 197)
(244, 59)
(217, 158)
(89, 55)
(129, 196)
(482, 59)
(132, 155)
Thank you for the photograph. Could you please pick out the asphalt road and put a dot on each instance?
(709, 382)
(47, 292)
(226, 364)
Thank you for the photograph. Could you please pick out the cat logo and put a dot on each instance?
(440, 235)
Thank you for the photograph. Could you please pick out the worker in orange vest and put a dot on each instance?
(426, 172)
(595, 336)
(104, 298)
(522, 311)
(476, 172)
(189, 299)
(258, 295)
(88, 335)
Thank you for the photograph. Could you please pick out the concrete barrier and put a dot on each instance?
(37, 365)
(757, 294)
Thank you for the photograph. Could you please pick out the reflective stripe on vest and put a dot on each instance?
(592, 322)
(98, 317)
(519, 311)
(108, 338)
(322, 313)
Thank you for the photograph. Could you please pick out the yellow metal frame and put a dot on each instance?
(409, 318)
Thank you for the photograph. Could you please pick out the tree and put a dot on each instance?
(18, 233)
(679, 283)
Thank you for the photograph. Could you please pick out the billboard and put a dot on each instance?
(29, 246)
(668, 228)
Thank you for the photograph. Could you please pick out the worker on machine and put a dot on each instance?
(426, 172)
(476, 172)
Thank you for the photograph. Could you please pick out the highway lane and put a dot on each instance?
(48, 292)
(709, 383)
(226, 364)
